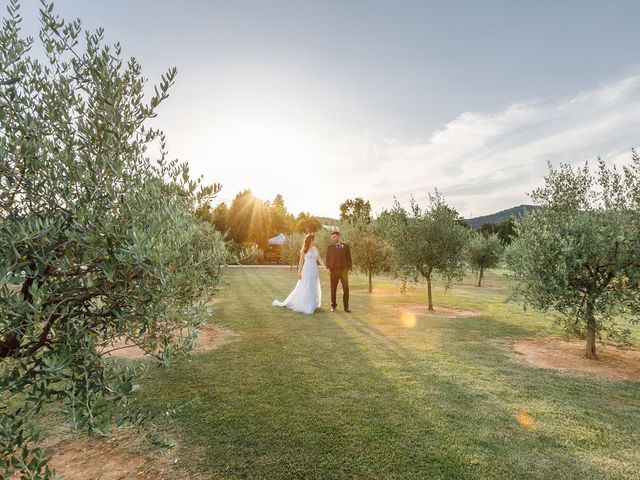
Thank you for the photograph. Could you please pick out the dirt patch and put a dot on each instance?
(121, 456)
(557, 354)
(419, 309)
(210, 337)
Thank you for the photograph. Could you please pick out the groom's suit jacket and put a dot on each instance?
(339, 258)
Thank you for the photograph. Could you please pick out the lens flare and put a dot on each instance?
(407, 319)
(524, 420)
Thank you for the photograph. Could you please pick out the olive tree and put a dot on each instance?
(356, 209)
(290, 249)
(427, 242)
(579, 253)
(97, 241)
(323, 240)
(371, 253)
(483, 252)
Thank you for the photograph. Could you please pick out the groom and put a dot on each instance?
(339, 263)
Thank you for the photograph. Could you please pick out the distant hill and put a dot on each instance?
(498, 217)
(474, 222)
(328, 221)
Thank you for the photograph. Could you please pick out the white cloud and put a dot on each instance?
(485, 162)
(294, 144)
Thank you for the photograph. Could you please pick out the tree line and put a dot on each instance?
(577, 254)
(421, 242)
(250, 220)
(379, 245)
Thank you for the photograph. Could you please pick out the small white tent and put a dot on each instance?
(277, 240)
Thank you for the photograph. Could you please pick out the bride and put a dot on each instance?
(306, 295)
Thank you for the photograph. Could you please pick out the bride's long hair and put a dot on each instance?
(307, 242)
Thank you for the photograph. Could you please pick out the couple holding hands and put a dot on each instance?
(307, 294)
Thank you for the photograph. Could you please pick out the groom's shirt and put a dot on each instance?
(339, 257)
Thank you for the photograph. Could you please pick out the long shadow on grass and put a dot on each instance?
(332, 396)
(479, 397)
(295, 399)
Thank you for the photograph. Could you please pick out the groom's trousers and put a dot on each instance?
(341, 276)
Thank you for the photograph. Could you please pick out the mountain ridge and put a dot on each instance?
(474, 222)
(497, 217)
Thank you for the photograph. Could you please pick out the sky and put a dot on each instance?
(328, 100)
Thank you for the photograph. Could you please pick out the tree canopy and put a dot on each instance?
(427, 242)
(505, 230)
(483, 252)
(306, 223)
(290, 249)
(355, 209)
(252, 221)
(248, 219)
(371, 253)
(579, 253)
(97, 242)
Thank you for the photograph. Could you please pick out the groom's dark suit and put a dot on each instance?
(339, 263)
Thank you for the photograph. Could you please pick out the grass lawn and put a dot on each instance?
(384, 393)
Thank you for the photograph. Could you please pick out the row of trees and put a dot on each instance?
(250, 220)
(416, 243)
(577, 254)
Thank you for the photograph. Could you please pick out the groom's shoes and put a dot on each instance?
(347, 310)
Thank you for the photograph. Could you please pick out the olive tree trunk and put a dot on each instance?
(429, 297)
(591, 333)
(480, 276)
(370, 281)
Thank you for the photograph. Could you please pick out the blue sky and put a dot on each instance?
(322, 101)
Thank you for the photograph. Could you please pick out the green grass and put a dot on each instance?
(364, 395)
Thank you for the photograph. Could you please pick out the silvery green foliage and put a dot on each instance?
(371, 253)
(96, 240)
(427, 242)
(323, 240)
(483, 252)
(579, 254)
(290, 249)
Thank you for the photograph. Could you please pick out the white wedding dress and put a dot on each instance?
(306, 295)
